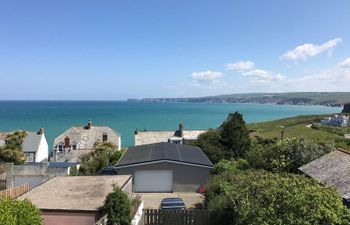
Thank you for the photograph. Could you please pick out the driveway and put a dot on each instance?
(152, 200)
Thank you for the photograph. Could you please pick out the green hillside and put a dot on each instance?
(302, 126)
(292, 98)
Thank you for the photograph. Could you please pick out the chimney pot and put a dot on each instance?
(181, 129)
(89, 125)
(41, 131)
(66, 142)
(104, 137)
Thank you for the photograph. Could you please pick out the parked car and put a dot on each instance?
(172, 204)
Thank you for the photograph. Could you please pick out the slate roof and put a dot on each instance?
(156, 136)
(86, 138)
(164, 151)
(31, 142)
(332, 170)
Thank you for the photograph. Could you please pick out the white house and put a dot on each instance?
(35, 146)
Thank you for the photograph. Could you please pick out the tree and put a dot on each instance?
(15, 140)
(12, 151)
(235, 135)
(258, 197)
(12, 155)
(16, 212)
(210, 143)
(118, 207)
(104, 154)
(286, 155)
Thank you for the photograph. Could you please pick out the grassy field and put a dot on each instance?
(300, 127)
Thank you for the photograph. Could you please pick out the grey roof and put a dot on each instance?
(332, 170)
(86, 138)
(164, 151)
(31, 142)
(155, 136)
(74, 192)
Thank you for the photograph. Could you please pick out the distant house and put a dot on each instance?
(336, 120)
(179, 136)
(34, 145)
(165, 167)
(74, 200)
(332, 169)
(78, 140)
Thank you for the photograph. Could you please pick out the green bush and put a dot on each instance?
(258, 197)
(232, 166)
(104, 154)
(286, 155)
(16, 212)
(118, 207)
(12, 150)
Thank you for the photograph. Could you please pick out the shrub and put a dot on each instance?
(232, 166)
(16, 212)
(269, 198)
(286, 155)
(118, 207)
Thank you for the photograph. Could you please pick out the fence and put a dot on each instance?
(3, 185)
(176, 217)
(14, 192)
(2, 168)
(102, 221)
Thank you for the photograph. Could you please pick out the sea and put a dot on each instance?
(125, 117)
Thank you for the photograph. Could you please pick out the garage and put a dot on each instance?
(165, 167)
(153, 181)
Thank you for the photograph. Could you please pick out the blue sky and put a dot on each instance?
(112, 50)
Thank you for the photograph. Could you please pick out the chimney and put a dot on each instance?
(41, 131)
(104, 137)
(89, 125)
(181, 129)
(66, 142)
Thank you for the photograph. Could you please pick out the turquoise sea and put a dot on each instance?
(125, 117)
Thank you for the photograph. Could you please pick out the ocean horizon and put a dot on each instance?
(125, 117)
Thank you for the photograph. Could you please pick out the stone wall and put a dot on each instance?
(33, 174)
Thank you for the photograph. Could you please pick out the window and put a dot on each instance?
(30, 157)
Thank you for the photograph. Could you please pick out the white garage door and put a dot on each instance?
(153, 181)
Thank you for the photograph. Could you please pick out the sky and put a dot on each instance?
(120, 49)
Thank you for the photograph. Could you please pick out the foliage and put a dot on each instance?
(73, 171)
(210, 143)
(104, 154)
(229, 141)
(15, 140)
(286, 155)
(235, 135)
(12, 155)
(16, 212)
(12, 151)
(258, 197)
(118, 207)
(231, 166)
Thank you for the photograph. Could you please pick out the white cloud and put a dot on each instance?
(308, 50)
(345, 63)
(264, 76)
(206, 76)
(241, 66)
